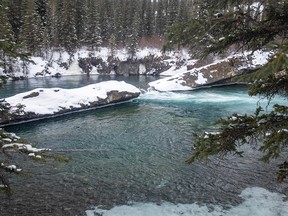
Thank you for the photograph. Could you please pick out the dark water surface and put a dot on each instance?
(133, 152)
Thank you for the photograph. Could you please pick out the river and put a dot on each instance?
(129, 159)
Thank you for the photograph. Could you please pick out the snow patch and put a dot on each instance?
(201, 79)
(26, 147)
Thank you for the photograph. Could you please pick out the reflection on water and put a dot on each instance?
(15, 87)
(135, 152)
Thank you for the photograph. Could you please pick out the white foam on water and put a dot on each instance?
(257, 202)
(197, 97)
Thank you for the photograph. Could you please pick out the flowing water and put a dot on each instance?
(129, 159)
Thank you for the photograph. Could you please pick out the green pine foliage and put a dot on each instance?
(244, 25)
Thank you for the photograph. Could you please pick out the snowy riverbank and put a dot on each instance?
(147, 61)
(181, 71)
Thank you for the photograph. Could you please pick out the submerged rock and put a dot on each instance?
(44, 103)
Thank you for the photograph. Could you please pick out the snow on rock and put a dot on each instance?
(219, 70)
(100, 61)
(26, 147)
(43, 102)
(11, 168)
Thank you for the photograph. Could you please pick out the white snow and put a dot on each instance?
(7, 140)
(201, 79)
(31, 154)
(142, 69)
(173, 83)
(26, 147)
(50, 101)
(260, 57)
(257, 202)
(174, 70)
(176, 82)
(11, 167)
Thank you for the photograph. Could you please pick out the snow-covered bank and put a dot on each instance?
(184, 72)
(43, 102)
(257, 202)
(208, 74)
(148, 61)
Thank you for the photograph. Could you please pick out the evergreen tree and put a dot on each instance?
(146, 17)
(6, 40)
(42, 10)
(183, 11)
(106, 15)
(81, 20)
(251, 26)
(160, 22)
(31, 32)
(134, 37)
(15, 17)
(93, 32)
(120, 19)
(172, 12)
(6, 36)
(69, 30)
(112, 45)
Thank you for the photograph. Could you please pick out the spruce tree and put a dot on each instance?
(69, 31)
(172, 12)
(160, 22)
(31, 32)
(81, 20)
(133, 38)
(8, 48)
(146, 18)
(106, 22)
(15, 17)
(93, 32)
(6, 40)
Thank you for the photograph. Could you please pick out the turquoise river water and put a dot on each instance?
(129, 159)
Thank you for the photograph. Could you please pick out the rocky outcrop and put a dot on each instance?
(149, 65)
(45, 103)
(219, 72)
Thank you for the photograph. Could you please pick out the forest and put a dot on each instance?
(36, 26)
